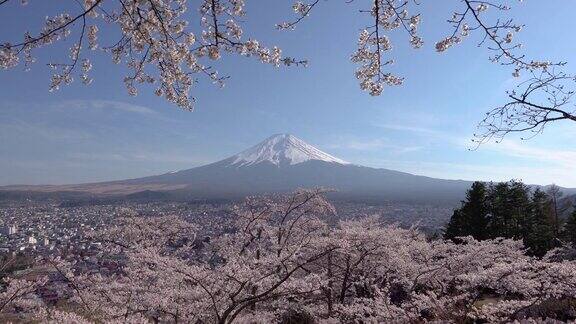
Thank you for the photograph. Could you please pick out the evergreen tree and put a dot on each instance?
(476, 211)
(471, 218)
(500, 209)
(570, 228)
(539, 230)
(508, 204)
(455, 226)
(508, 210)
(519, 199)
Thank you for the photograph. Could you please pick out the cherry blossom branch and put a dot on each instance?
(302, 10)
(544, 99)
(52, 31)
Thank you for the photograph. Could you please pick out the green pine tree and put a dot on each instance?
(500, 210)
(570, 228)
(538, 230)
(476, 211)
(455, 226)
(519, 199)
(471, 218)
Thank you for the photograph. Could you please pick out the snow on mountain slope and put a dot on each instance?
(281, 149)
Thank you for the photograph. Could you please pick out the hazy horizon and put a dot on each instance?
(255, 145)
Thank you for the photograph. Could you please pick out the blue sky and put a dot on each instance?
(98, 133)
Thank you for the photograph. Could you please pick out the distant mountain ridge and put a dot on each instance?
(280, 163)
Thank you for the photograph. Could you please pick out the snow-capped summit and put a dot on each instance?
(281, 149)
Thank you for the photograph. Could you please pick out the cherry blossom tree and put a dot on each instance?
(165, 274)
(280, 261)
(171, 44)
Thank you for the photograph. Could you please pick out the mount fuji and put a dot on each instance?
(280, 163)
(281, 150)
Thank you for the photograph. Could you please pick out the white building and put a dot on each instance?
(9, 230)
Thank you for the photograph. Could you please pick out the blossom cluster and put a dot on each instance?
(499, 34)
(158, 44)
(373, 43)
